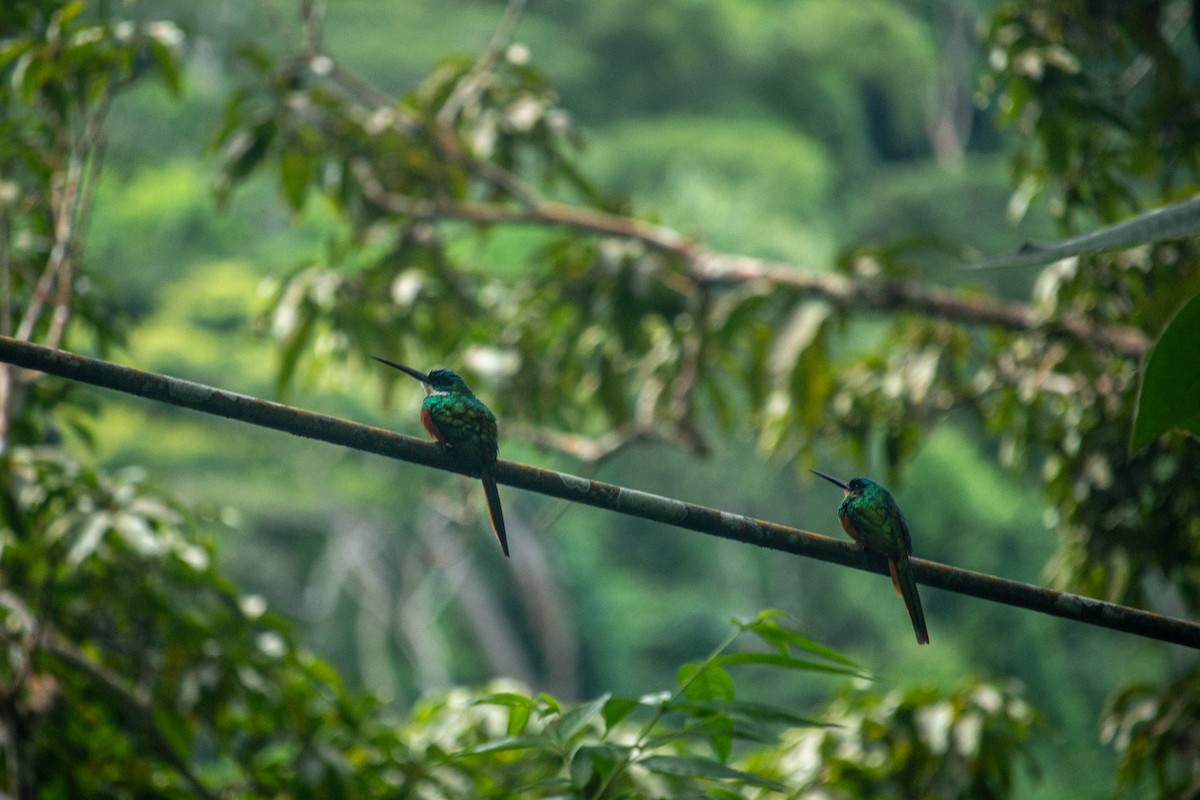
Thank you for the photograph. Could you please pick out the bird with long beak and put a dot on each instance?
(460, 421)
(871, 517)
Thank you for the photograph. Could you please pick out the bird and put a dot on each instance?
(460, 422)
(871, 517)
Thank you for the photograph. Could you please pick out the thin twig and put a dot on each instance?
(632, 502)
(472, 83)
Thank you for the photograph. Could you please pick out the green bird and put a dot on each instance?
(460, 421)
(871, 517)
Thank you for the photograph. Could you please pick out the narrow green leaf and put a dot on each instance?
(12, 50)
(720, 736)
(507, 743)
(511, 699)
(721, 793)
(582, 768)
(296, 170)
(759, 712)
(552, 705)
(574, 720)
(168, 66)
(518, 718)
(1174, 221)
(696, 767)
(786, 662)
(1169, 396)
(771, 632)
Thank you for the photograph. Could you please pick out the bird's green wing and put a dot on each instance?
(882, 525)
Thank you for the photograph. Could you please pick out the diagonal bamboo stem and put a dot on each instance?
(573, 488)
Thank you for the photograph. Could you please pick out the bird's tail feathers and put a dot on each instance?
(492, 493)
(906, 586)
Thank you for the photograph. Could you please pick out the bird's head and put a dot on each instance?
(447, 380)
(440, 381)
(852, 489)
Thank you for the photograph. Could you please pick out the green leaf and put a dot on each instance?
(720, 736)
(705, 682)
(1169, 396)
(597, 760)
(506, 744)
(168, 66)
(617, 709)
(12, 50)
(510, 699)
(757, 712)
(771, 632)
(296, 171)
(1174, 221)
(786, 662)
(696, 767)
(574, 720)
(505, 699)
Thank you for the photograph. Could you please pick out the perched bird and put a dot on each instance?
(461, 422)
(871, 517)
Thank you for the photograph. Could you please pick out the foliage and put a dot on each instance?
(1169, 396)
(663, 744)
(1087, 144)
(130, 655)
(141, 670)
(1153, 730)
(61, 72)
(1104, 95)
(134, 666)
(914, 743)
(799, 63)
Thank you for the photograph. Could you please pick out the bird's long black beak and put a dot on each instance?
(835, 481)
(421, 376)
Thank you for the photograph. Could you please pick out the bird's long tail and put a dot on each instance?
(906, 586)
(494, 511)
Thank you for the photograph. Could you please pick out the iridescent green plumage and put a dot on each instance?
(459, 420)
(871, 517)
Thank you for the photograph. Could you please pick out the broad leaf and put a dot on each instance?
(1170, 392)
(577, 718)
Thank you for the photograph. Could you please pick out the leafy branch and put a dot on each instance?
(702, 708)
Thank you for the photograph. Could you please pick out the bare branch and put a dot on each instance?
(71, 194)
(472, 83)
(932, 301)
(574, 488)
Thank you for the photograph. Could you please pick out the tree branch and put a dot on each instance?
(709, 267)
(632, 502)
(473, 82)
(932, 301)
